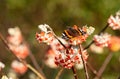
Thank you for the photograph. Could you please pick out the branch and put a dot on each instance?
(104, 65)
(74, 73)
(36, 72)
(91, 68)
(59, 73)
(34, 61)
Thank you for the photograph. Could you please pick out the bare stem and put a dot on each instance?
(84, 64)
(34, 61)
(104, 65)
(59, 73)
(36, 64)
(91, 68)
(74, 72)
(35, 71)
(21, 60)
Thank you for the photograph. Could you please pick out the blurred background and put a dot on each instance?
(59, 14)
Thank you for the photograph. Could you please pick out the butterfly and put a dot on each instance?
(72, 32)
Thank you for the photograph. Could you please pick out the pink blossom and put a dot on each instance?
(53, 50)
(19, 67)
(15, 36)
(15, 42)
(102, 39)
(20, 51)
(43, 37)
(70, 57)
(114, 21)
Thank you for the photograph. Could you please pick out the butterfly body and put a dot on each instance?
(72, 32)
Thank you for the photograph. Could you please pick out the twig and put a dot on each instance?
(104, 65)
(98, 34)
(60, 42)
(36, 64)
(22, 61)
(91, 68)
(6, 45)
(59, 73)
(35, 71)
(84, 64)
(74, 73)
(31, 56)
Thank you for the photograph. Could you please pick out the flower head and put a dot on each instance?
(20, 51)
(102, 39)
(15, 36)
(71, 57)
(19, 67)
(46, 35)
(16, 44)
(114, 21)
(54, 48)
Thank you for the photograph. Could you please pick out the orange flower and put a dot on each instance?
(114, 44)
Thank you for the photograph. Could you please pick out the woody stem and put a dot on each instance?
(84, 63)
(59, 73)
(74, 73)
(104, 65)
(35, 63)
